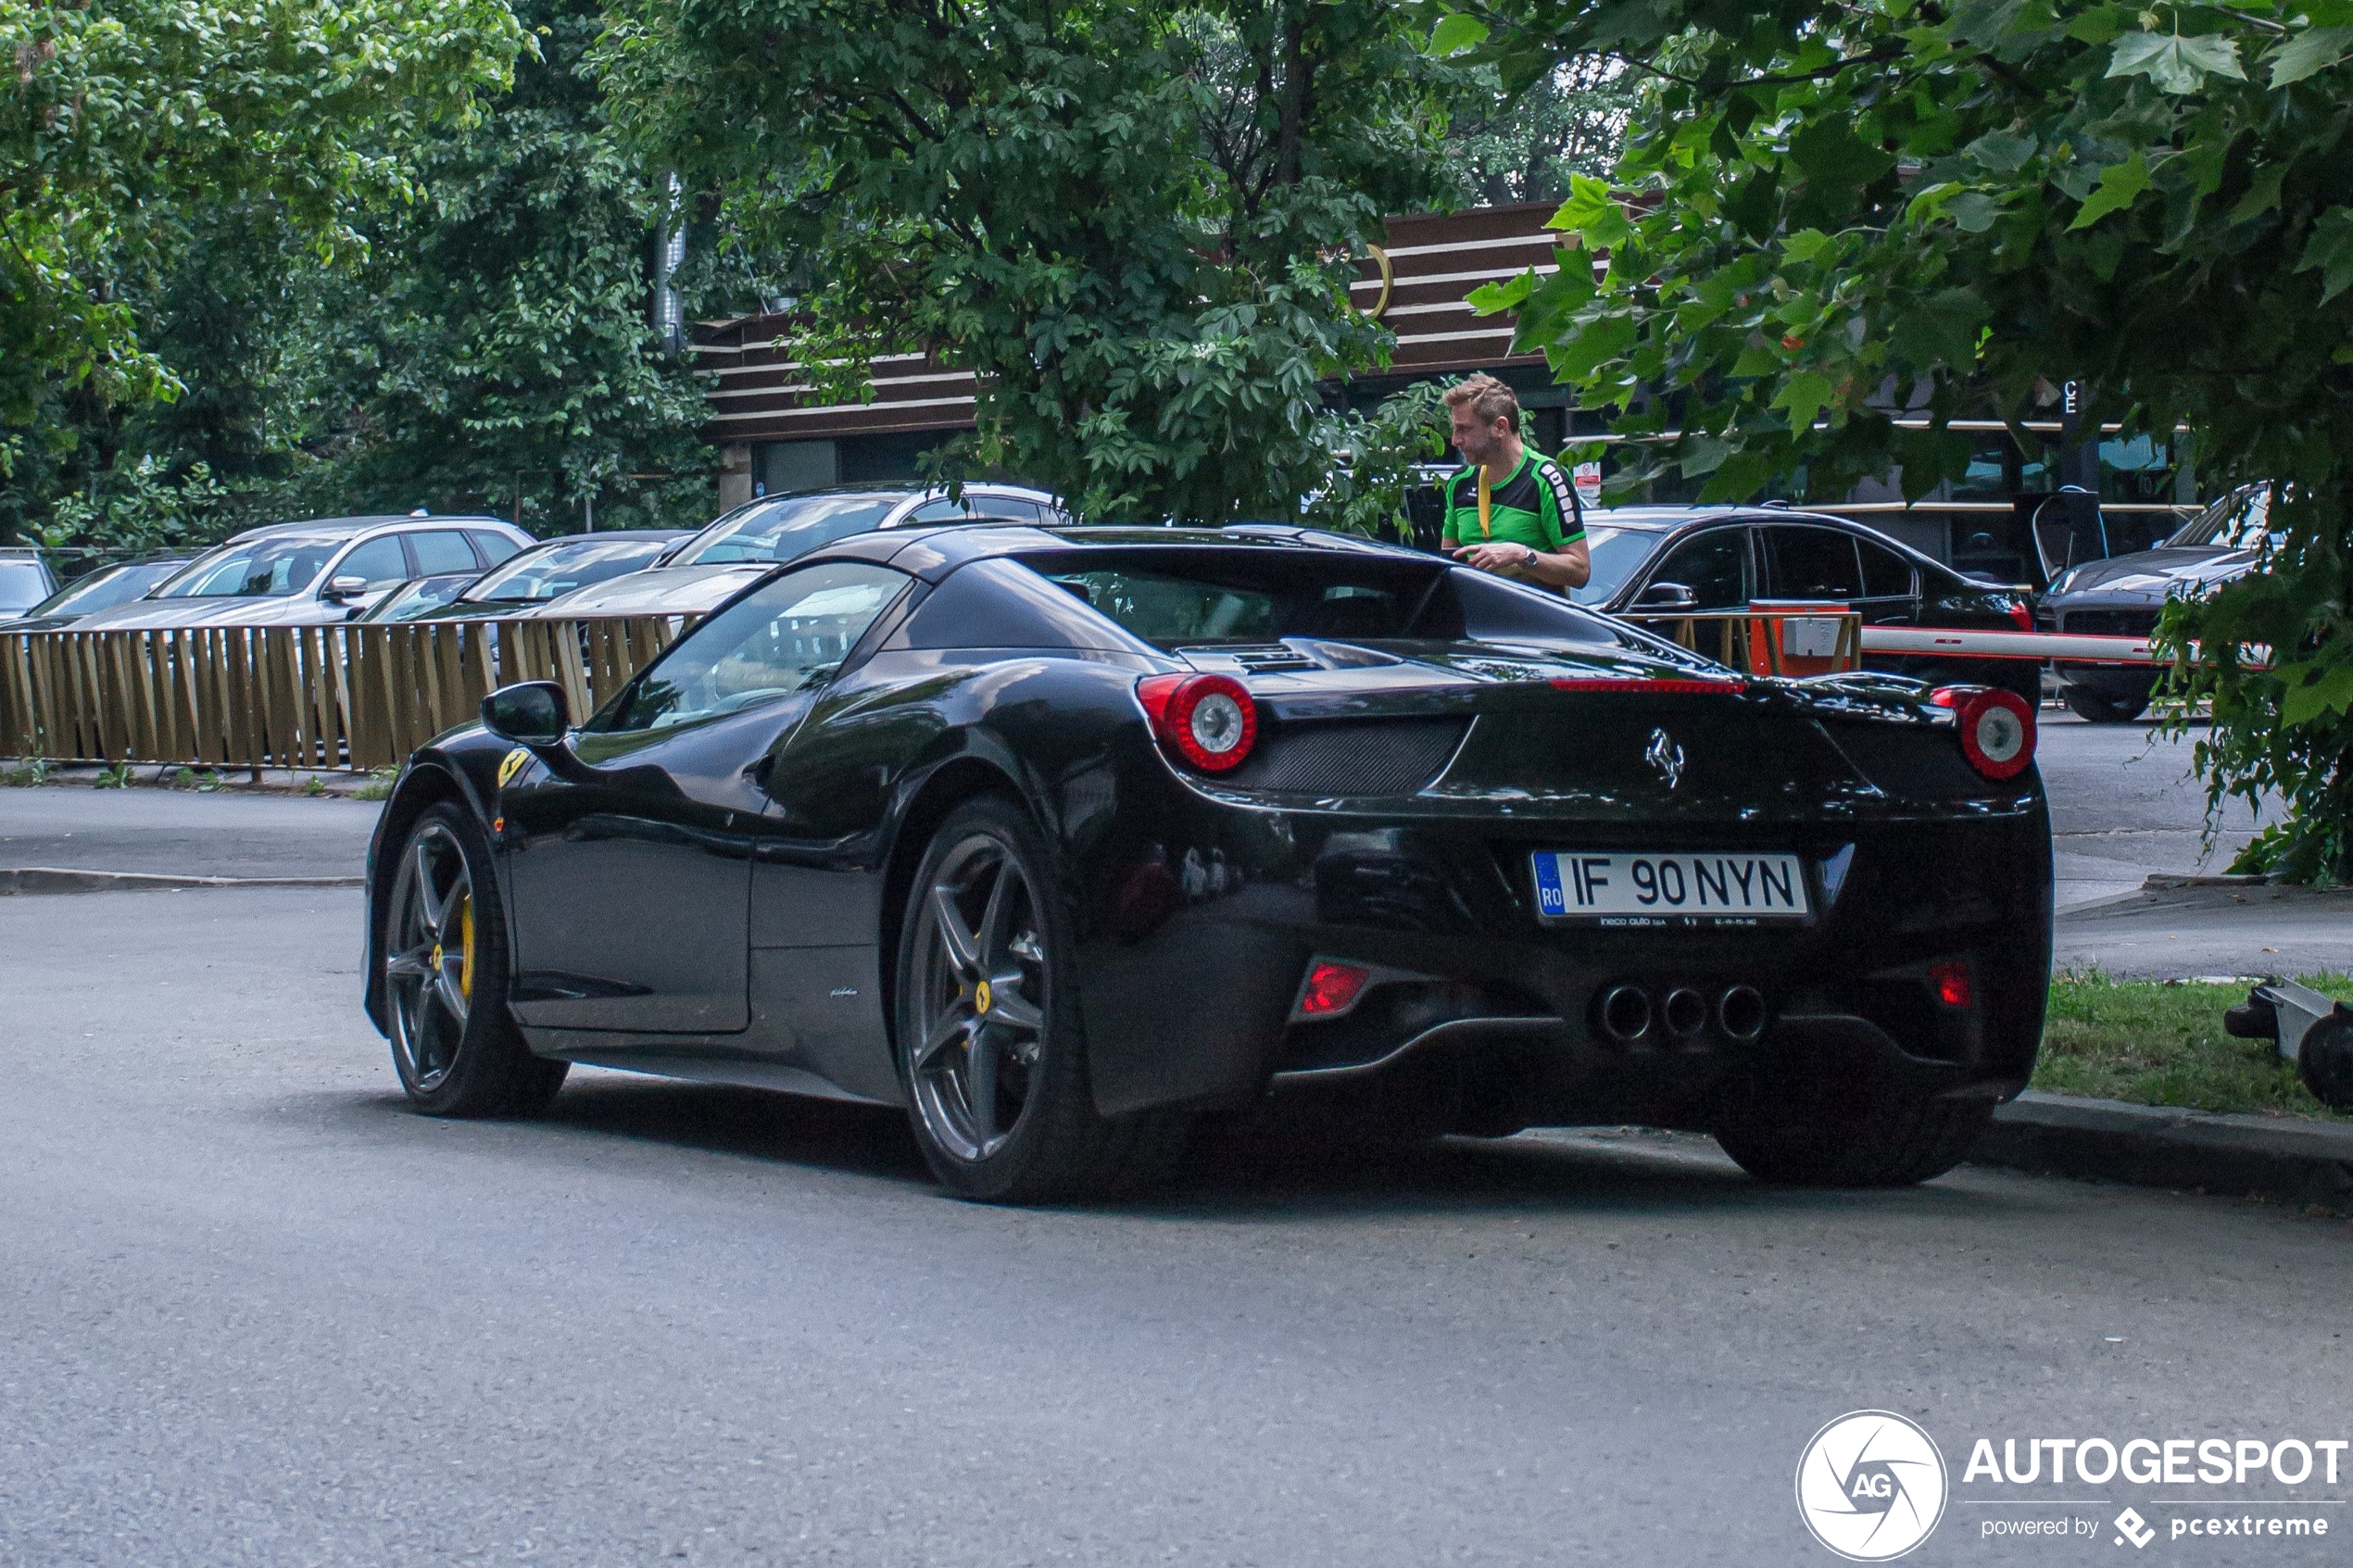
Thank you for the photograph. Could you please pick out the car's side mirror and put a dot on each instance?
(342, 588)
(532, 713)
(1666, 596)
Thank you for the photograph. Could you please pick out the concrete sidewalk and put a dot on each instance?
(2175, 929)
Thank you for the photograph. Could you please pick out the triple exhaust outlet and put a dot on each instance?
(1628, 1016)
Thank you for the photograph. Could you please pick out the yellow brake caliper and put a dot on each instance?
(465, 951)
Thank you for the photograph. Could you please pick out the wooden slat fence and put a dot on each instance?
(356, 696)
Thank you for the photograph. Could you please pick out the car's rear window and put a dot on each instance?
(1186, 597)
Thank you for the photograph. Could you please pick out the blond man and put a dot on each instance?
(1511, 511)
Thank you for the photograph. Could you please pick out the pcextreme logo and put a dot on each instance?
(1871, 1485)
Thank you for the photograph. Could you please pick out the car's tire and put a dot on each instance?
(2092, 708)
(1823, 1128)
(991, 1043)
(454, 1042)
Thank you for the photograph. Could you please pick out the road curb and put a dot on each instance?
(2278, 1158)
(51, 879)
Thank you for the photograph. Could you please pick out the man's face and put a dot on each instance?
(1478, 439)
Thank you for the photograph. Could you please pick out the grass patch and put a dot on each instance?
(2155, 1043)
(379, 785)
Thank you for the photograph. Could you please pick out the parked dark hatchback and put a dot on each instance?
(1655, 560)
(2124, 596)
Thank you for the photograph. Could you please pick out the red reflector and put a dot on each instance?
(1950, 976)
(2023, 616)
(1631, 684)
(1331, 988)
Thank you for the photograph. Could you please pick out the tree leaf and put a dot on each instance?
(1456, 34)
(2309, 53)
(1803, 394)
(2308, 699)
(2174, 63)
(1592, 211)
(2119, 184)
(2000, 151)
(1831, 154)
(2330, 251)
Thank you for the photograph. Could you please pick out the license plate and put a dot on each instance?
(1707, 888)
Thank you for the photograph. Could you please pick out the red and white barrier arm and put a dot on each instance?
(2066, 647)
(2007, 645)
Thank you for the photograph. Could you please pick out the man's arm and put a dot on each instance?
(1571, 566)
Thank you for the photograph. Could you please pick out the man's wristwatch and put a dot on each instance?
(1531, 557)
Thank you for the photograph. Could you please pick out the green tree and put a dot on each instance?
(1523, 147)
(121, 120)
(487, 327)
(1132, 220)
(1940, 206)
(504, 334)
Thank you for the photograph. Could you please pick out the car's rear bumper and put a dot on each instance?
(1197, 950)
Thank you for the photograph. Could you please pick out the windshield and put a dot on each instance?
(260, 569)
(786, 527)
(1616, 553)
(546, 571)
(788, 636)
(107, 587)
(2240, 521)
(22, 582)
(420, 597)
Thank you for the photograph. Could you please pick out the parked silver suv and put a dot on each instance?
(24, 582)
(744, 545)
(313, 574)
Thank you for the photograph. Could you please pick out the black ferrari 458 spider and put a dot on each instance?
(1064, 839)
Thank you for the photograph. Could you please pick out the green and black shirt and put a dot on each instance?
(1536, 507)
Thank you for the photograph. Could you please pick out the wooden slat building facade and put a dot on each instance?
(776, 434)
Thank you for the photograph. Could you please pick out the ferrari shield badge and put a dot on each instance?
(511, 764)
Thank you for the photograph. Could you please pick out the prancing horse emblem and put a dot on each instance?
(1666, 756)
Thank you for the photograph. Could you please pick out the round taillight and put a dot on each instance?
(1996, 726)
(1210, 721)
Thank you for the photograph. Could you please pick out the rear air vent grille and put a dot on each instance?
(1258, 659)
(1917, 764)
(1355, 757)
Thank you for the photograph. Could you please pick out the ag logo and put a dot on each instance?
(1870, 1486)
(511, 764)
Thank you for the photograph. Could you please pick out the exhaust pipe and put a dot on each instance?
(1740, 1010)
(1626, 1014)
(1686, 1012)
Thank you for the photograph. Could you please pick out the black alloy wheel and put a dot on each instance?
(457, 1050)
(991, 1044)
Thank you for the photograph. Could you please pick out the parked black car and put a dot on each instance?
(2124, 596)
(1064, 838)
(117, 582)
(1650, 560)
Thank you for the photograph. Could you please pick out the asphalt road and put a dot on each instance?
(181, 833)
(2123, 805)
(254, 1312)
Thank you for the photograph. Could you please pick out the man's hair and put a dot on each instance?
(1489, 398)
